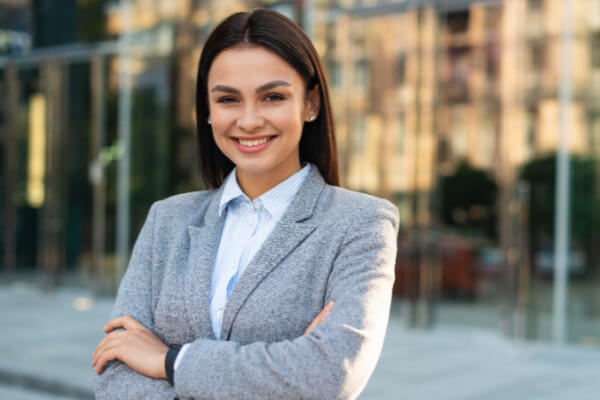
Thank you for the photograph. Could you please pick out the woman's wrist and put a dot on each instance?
(170, 363)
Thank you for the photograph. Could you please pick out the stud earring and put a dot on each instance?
(311, 118)
(208, 121)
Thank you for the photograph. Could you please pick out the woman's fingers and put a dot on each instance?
(106, 354)
(136, 346)
(107, 350)
(105, 342)
(125, 322)
(321, 317)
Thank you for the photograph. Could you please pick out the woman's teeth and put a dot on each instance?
(253, 142)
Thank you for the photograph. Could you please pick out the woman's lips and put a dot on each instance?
(253, 145)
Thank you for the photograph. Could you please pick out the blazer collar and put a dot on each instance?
(204, 236)
(304, 203)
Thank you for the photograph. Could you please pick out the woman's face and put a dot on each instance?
(258, 105)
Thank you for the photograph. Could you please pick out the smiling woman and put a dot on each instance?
(275, 283)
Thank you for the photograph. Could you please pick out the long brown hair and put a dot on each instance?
(285, 38)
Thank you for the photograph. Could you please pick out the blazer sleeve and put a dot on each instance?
(119, 381)
(337, 358)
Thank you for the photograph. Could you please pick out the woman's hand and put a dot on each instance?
(321, 317)
(137, 346)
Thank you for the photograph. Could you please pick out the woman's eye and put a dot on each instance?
(226, 100)
(274, 97)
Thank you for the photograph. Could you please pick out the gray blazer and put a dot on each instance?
(330, 244)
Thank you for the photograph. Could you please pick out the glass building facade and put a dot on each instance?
(450, 109)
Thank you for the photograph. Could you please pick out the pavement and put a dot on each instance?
(47, 339)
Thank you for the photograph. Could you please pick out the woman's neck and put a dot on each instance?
(255, 184)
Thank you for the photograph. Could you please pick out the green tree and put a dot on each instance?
(468, 200)
(541, 175)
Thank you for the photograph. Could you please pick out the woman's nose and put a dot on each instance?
(250, 119)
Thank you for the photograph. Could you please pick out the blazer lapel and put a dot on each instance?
(204, 242)
(293, 227)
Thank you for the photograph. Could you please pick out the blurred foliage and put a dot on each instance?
(150, 146)
(468, 200)
(91, 20)
(150, 149)
(541, 175)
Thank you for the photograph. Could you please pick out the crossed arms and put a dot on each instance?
(334, 359)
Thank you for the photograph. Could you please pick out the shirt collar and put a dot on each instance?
(231, 191)
(275, 201)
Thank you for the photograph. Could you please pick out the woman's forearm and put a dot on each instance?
(121, 382)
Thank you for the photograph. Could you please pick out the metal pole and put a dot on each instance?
(124, 133)
(561, 243)
(51, 248)
(97, 171)
(422, 304)
(307, 18)
(11, 104)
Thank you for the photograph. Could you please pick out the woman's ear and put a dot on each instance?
(312, 104)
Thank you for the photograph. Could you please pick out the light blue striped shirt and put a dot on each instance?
(247, 226)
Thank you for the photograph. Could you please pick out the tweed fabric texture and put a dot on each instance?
(330, 244)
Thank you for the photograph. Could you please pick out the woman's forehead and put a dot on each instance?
(251, 66)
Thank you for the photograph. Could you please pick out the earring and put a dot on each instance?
(208, 121)
(311, 118)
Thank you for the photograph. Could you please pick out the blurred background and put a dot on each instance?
(479, 119)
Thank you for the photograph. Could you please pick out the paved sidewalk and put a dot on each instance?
(455, 363)
(47, 340)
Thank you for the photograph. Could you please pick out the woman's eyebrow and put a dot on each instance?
(226, 89)
(260, 89)
(271, 85)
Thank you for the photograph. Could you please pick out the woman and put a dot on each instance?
(236, 274)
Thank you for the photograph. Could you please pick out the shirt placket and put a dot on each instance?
(252, 220)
